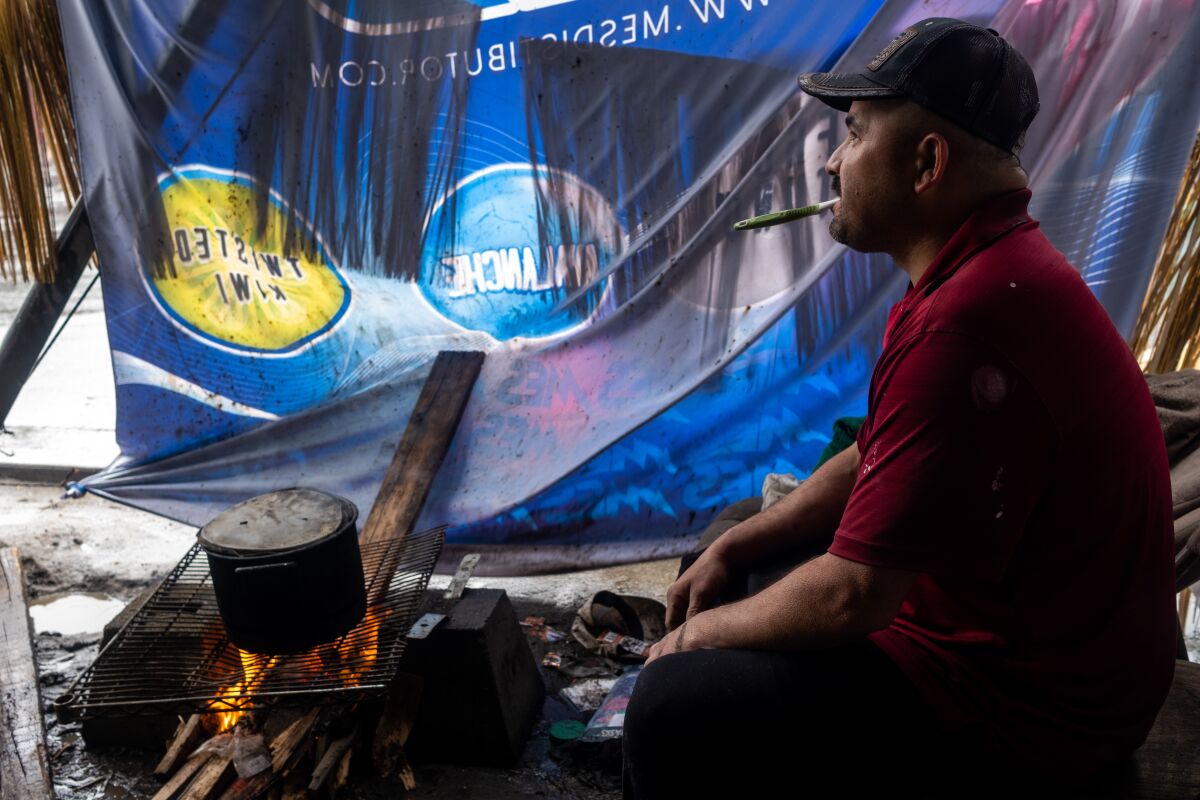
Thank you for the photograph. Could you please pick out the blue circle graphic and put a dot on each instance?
(494, 273)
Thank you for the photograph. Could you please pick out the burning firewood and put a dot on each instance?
(249, 788)
(211, 780)
(188, 737)
(311, 750)
(182, 777)
(332, 759)
(285, 750)
(342, 774)
(395, 725)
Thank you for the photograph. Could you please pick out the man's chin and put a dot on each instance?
(837, 230)
(842, 234)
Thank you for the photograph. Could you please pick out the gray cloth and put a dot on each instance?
(1177, 399)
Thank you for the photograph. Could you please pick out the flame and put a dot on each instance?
(350, 659)
(360, 649)
(235, 697)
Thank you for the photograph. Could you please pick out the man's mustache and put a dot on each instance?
(837, 186)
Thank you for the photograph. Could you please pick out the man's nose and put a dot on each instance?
(834, 165)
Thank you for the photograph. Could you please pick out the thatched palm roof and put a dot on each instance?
(1167, 336)
(37, 137)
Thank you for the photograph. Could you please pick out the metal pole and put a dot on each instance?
(42, 307)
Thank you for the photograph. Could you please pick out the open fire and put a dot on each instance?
(350, 658)
(236, 697)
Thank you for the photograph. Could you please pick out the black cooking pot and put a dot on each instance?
(286, 570)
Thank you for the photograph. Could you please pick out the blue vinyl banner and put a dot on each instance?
(297, 205)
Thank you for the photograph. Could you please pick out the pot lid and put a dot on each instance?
(278, 521)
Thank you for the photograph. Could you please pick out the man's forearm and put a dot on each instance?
(824, 602)
(810, 511)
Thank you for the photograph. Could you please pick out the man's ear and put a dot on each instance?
(932, 158)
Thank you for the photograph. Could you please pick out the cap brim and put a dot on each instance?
(840, 90)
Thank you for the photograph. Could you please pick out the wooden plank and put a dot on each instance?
(24, 769)
(285, 746)
(342, 775)
(250, 788)
(182, 777)
(423, 446)
(331, 759)
(396, 723)
(211, 780)
(188, 737)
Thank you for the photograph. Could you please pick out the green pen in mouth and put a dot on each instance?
(780, 217)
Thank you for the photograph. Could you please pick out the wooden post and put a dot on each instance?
(24, 769)
(42, 307)
(423, 446)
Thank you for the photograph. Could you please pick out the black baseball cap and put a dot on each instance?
(960, 71)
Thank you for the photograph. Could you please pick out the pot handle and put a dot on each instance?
(264, 567)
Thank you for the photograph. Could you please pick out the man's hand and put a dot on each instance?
(810, 512)
(696, 590)
(691, 635)
(823, 602)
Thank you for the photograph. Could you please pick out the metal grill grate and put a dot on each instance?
(173, 657)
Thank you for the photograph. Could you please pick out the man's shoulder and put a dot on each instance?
(1013, 287)
(1024, 300)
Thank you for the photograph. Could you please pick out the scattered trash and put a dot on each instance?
(247, 751)
(776, 486)
(84, 784)
(588, 694)
(589, 668)
(566, 730)
(538, 629)
(640, 619)
(609, 720)
(620, 641)
(69, 741)
(552, 660)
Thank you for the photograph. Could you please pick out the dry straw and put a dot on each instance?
(1167, 336)
(37, 137)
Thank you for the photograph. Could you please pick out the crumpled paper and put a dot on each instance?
(247, 751)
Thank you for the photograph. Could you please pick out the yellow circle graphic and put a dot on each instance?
(234, 285)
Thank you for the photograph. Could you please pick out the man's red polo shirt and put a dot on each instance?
(1012, 456)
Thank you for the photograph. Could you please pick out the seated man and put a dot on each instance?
(995, 606)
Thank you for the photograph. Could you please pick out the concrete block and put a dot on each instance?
(483, 691)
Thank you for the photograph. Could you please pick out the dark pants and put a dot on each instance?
(839, 722)
(741, 723)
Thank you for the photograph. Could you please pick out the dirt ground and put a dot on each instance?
(92, 549)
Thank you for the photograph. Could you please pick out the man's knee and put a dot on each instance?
(670, 730)
(660, 697)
